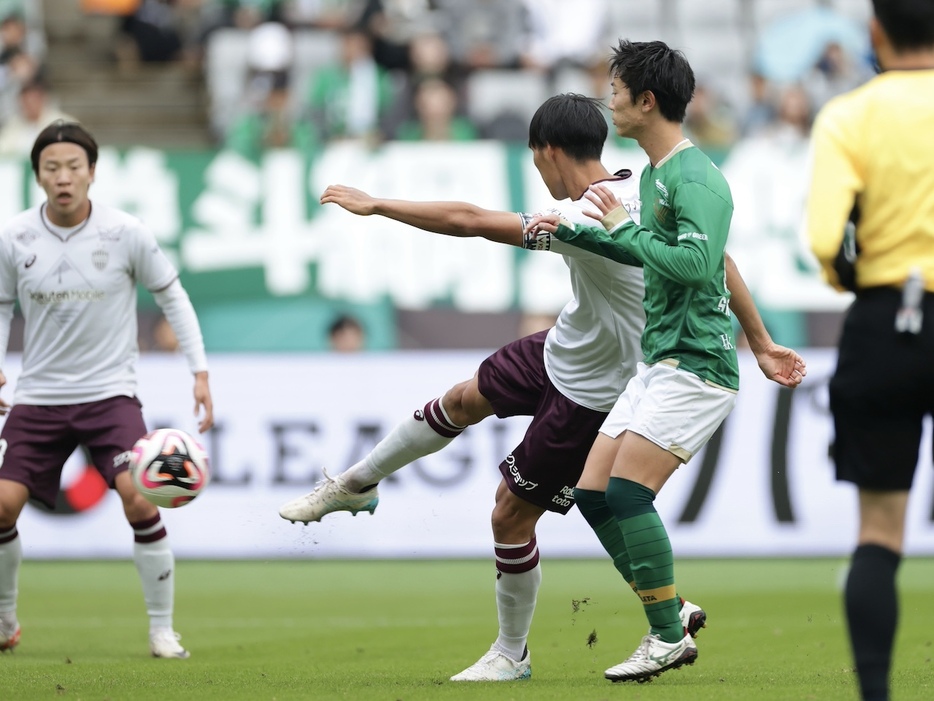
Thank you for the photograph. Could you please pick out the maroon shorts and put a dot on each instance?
(544, 468)
(39, 439)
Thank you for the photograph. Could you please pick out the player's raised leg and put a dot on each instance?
(426, 431)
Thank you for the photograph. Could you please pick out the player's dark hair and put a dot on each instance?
(909, 24)
(571, 122)
(653, 66)
(59, 131)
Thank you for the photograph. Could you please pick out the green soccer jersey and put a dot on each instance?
(685, 219)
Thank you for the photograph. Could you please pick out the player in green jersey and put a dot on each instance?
(687, 384)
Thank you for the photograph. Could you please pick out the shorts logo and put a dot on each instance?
(565, 498)
(518, 479)
(30, 261)
(3, 445)
(419, 415)
(123, 457)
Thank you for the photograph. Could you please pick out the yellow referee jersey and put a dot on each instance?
(874, 147)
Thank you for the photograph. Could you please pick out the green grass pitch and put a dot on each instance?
(396, 630)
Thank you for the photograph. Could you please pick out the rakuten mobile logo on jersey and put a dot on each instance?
(519, 480)
(67, 296)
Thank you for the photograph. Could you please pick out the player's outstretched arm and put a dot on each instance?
(448, 218)
(779, 364)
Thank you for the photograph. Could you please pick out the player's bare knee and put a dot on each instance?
(464, 404)
(12, 500)
(512, 522)
(135, 506)
(7, 518)
(139, 509)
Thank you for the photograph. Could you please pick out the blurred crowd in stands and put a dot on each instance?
(303, 73)
(25, 103)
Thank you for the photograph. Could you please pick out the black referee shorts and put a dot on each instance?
(880, 392)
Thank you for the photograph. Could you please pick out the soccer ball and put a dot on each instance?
(169, 467)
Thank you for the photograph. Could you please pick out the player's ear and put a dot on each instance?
(647, 101)
(877, 35)
(92, 169)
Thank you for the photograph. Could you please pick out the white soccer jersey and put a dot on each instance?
(595, 344)
(78, 297)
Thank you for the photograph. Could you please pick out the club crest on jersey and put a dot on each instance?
(100, 258)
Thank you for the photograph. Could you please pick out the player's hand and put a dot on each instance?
(603, 199)
(781, 365)
(350, 198)
(203, 401)
(4, 406)
(543, 222)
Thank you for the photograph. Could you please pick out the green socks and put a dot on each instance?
(651, 559)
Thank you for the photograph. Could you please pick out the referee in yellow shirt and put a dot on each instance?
(873, 164)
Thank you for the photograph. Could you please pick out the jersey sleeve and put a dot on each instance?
(703, 224)
(7, 296)
(835, 183)
(546, 241)
(7, 272)
(151, 268)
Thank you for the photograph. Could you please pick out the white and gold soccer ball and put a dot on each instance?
(169, 467)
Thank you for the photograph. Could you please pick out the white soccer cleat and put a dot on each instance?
(329, 496)
(494, 666)
(651, 658)
(164, 643)
(9, 636)
(693, 617)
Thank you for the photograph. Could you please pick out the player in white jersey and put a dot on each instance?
(74, 269)
(567, 379)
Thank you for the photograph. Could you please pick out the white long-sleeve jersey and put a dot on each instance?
(77, 291)
(595, 344)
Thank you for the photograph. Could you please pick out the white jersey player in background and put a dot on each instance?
(74, 268)
(567, 378)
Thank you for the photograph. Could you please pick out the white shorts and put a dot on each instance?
(675, 409)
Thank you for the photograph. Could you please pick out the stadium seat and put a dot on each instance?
(576, 80)
(634, 19)
(713, 50)
(225, 71)
(857, 10)
(690, 14)
(765, 11)
(313, 48)
(493, 93)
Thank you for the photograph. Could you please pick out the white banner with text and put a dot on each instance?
(764, 486)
